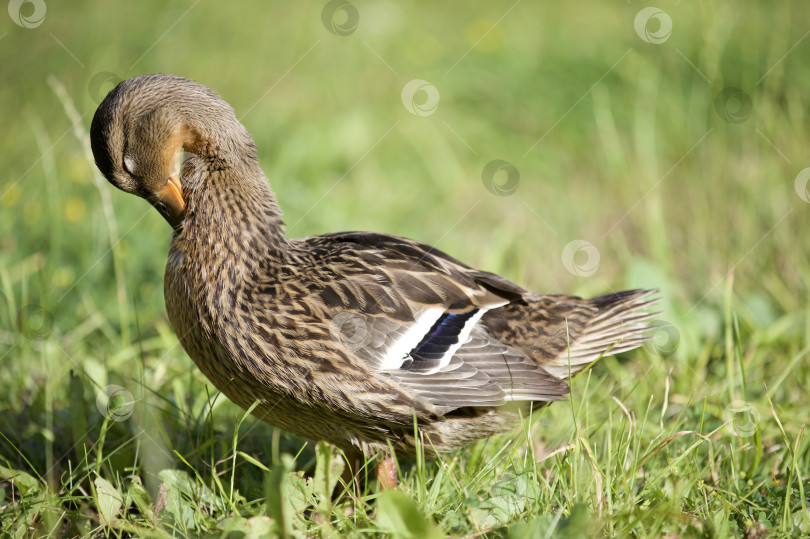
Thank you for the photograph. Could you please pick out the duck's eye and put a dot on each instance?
(129, 165)
(162, 208)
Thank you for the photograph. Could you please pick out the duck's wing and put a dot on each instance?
(417, 317)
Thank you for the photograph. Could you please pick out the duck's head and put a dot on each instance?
(142, 127)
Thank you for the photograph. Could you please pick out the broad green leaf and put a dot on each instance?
(298, 491)
(185, 496)
(398, 515)
(288, 495)
(578, 524)
(538, 527)
(140, 497)
(328, 467)
(24, 482)
(497, 511)
(108, 500)
(504, 501)
(179, 507)
(181, 481)
(258, 527)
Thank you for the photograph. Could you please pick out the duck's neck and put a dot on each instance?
(233, 216)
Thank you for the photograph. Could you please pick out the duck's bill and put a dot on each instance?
(169, 202)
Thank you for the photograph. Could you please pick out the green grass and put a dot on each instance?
(617, 142)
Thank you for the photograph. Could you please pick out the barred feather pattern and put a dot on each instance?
(349, 337)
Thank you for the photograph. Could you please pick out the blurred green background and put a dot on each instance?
(675, 155)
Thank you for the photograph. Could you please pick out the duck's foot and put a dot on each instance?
(387, 474)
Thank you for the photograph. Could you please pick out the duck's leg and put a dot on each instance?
(387, 474)
(351, 472)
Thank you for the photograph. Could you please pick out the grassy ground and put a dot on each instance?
(676, 155)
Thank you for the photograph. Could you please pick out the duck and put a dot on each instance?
(380, 345)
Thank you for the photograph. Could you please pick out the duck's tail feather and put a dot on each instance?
(620, 322)
(564, 334)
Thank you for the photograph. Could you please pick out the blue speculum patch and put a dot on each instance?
(435, 344)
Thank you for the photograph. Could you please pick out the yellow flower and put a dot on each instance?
(10, 194)
(74, 209)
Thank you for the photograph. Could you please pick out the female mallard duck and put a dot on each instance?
(347, 337)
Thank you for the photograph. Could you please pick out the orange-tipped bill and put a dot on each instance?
(169, 201)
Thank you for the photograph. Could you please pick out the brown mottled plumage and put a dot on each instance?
(342, 337)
